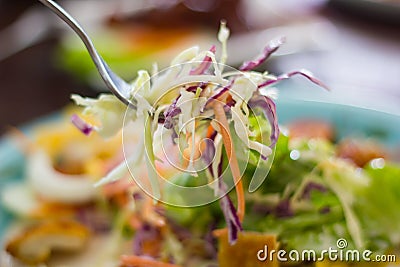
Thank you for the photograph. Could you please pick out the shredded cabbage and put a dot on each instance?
(181, 99)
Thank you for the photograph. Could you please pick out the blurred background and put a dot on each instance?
(352, 45)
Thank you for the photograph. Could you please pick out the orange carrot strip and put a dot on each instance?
(137, 261)
(149, 213)
(219, 232)
(210, 131)
(135, 222)
(230, 151)
(117, 187)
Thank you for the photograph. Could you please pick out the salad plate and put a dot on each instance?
(308, 169)
(12, 163)
(347, 120)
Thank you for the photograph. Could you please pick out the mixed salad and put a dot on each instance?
(164, 197)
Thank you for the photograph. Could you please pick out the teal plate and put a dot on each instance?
(12, 165)
(11, 169)
(348, 121)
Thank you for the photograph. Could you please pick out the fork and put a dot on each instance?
(116, 84)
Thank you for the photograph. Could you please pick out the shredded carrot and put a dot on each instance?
(230, 151)
(150, 215)
(118, 191)
(120, 186)
(210, 131)
(199, 147)
(135, 222)
(219, 232)
(137, 261)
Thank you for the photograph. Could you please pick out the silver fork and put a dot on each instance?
(116, 84)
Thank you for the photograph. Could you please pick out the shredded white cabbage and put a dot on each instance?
(218, 152)
(107, 109)
(223, 36)
(153, 96)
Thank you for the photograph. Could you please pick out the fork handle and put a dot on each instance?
(113, 81)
